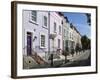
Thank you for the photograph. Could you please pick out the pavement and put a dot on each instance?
(81, 56)
(82, 59)
(78, 59)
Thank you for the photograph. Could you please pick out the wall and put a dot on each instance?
(54, 18)
(36, 28)
(5, 41)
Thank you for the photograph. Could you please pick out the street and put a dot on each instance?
(82, 56)
(82, 59)
(79, 59)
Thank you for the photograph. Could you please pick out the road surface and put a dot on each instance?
(83, 59)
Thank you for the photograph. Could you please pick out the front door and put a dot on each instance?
(29, 43)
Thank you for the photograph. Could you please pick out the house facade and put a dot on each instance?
(71, 36)
(74, 38)
(66, 27)
(47, 33)
(56, 30)
(35, 32)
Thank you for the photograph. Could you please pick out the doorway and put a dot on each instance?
(29, 43)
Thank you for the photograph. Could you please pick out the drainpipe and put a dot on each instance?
(49, 32)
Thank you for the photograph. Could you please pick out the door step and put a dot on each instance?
(38, 59)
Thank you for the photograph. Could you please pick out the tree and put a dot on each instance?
(88, 18)
(66, 51)
(78, 48)
(72, 51)
(86, 42)
(72, 48)
(89, 44)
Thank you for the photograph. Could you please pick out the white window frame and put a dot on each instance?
(59, 43)
(34, 16)
(33, 21)
(60, 30)
(44, 21)
(64, 32)
(55, 27)
(40, 41)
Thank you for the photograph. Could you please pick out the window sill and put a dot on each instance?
(45, 27)
(42, 47)
(33, 22)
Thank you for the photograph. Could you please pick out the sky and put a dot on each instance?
(79, 20)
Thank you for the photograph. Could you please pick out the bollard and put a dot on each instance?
(51, 59)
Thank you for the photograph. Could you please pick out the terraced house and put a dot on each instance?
(66, 28)
(71, 36)
(55, 32)
(35, 32)
(46, 33)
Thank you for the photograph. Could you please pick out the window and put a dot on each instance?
(45, 21)
(55, 26)
(42, 40)
(70, 35)
(67, 34)
(59, 29)
(34, 16)
(64, 32)
(58, 43)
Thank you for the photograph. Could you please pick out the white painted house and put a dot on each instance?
(66, 26)
(55, 29)
(46, 32)
(35, 32)
(74, 37)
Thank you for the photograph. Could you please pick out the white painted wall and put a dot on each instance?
(54, 17)
(65, 32)
(5, 41)
(36, 29)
